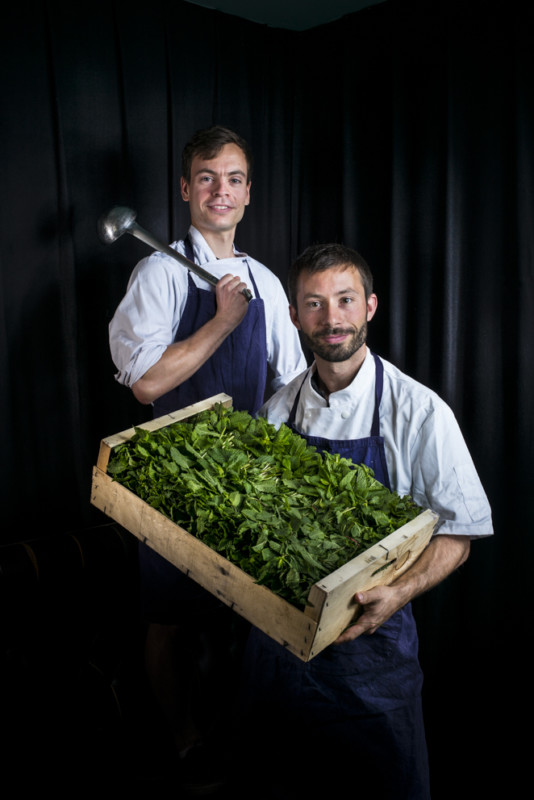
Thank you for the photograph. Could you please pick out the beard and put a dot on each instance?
(336, 352)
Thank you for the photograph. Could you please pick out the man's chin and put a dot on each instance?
(335, 353)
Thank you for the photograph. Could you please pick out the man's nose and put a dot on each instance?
(219, 186)
(331, 314)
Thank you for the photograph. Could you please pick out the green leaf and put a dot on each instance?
(260, 496)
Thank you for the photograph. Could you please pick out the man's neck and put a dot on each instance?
(333, 376)
(221, 243)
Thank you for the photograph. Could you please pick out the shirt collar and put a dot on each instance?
(354, 391)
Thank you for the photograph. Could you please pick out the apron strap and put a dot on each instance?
(188, 247)
(292, 414)
(379, 385)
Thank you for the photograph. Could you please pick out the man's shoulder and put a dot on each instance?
(158, 265)
(404, 388)
(396, 376)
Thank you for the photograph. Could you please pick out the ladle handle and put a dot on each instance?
(146, 237)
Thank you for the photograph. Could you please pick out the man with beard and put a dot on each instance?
(355, 709)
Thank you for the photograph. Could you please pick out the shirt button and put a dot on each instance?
(345, 414)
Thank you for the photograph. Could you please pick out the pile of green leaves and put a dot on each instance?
(261, 497)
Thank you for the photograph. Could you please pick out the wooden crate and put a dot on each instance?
(331, 606)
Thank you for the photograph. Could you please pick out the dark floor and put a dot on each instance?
(94, 724)
(75, 708)
(76, 712)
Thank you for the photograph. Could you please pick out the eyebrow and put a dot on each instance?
(308, 295)
(214, 172)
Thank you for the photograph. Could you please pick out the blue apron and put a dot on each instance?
(354, 711)
(369, 451)
(238, 368)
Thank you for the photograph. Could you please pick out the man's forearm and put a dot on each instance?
(443, 555)
(181, 360)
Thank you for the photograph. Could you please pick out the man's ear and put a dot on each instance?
(184, 189)
(294, 316)
(372, 305)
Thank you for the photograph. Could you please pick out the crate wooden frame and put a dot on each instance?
(331, 606)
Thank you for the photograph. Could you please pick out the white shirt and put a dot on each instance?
(426, 454)
(147, 318)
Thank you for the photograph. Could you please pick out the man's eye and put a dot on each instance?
(346, 300)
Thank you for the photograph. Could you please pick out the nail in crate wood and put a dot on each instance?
(331, 606)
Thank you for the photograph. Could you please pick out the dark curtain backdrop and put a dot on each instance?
(404, 130)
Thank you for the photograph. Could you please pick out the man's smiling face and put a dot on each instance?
(332, 313)
(219, 190)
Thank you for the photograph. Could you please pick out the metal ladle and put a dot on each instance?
(122, 220)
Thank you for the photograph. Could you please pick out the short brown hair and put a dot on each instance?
(208, 142)
(319, 257)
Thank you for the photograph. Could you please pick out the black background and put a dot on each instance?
(404, 130)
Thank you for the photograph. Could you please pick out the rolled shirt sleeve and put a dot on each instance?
(147, 318)
(445, 478)
(428, 457)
